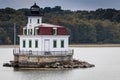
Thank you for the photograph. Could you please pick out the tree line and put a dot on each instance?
(100, 26)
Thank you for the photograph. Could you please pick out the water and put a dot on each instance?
(106, 60)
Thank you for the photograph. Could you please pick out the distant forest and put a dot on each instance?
(101, 26)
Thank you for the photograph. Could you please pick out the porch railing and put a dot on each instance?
(17, 51)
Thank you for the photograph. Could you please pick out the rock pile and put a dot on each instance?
(70, 64)
(59, 65)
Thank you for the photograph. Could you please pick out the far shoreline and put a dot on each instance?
(71, 45)
(94, 45)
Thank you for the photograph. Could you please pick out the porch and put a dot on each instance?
(17, 51)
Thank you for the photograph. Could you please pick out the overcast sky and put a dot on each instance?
(65, 4)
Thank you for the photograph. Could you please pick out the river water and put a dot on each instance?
(106, 60)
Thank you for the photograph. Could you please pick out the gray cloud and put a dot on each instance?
(66, 4)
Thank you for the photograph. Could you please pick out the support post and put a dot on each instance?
(14, 34)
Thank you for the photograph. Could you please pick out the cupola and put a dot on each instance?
(34, 10)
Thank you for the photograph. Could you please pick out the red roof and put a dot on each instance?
(45, 31)
(49, 31)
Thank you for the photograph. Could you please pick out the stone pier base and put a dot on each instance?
(38, 61)
(46, 62)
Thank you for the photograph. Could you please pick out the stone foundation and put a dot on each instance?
(29, 61)
(35, 61)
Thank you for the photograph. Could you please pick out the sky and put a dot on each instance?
(65, 4)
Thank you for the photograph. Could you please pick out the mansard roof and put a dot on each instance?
(47, 29)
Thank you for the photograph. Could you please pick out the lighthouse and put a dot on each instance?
(42, 42)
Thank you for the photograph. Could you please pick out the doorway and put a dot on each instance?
(46, 45)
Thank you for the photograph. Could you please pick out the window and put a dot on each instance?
(36, 31)
(29, 31)
(30, 43)
(30, 20)
(36, 43)
(38, 21)
(62, 43)
(54, 31)
(25, 31)
(54, 44)
(23, 43)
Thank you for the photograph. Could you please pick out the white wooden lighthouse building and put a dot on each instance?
(41, 39)
(38, 36)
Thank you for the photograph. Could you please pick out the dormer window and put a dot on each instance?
(38, 21)
(54, 31)
(30, 21)
(29, 31)
(25, 31)
(36, 31)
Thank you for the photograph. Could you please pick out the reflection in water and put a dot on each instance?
(44, 75)
(106, 60)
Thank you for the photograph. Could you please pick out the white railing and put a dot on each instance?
(17, 51)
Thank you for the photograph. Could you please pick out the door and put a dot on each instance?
(46, 45)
